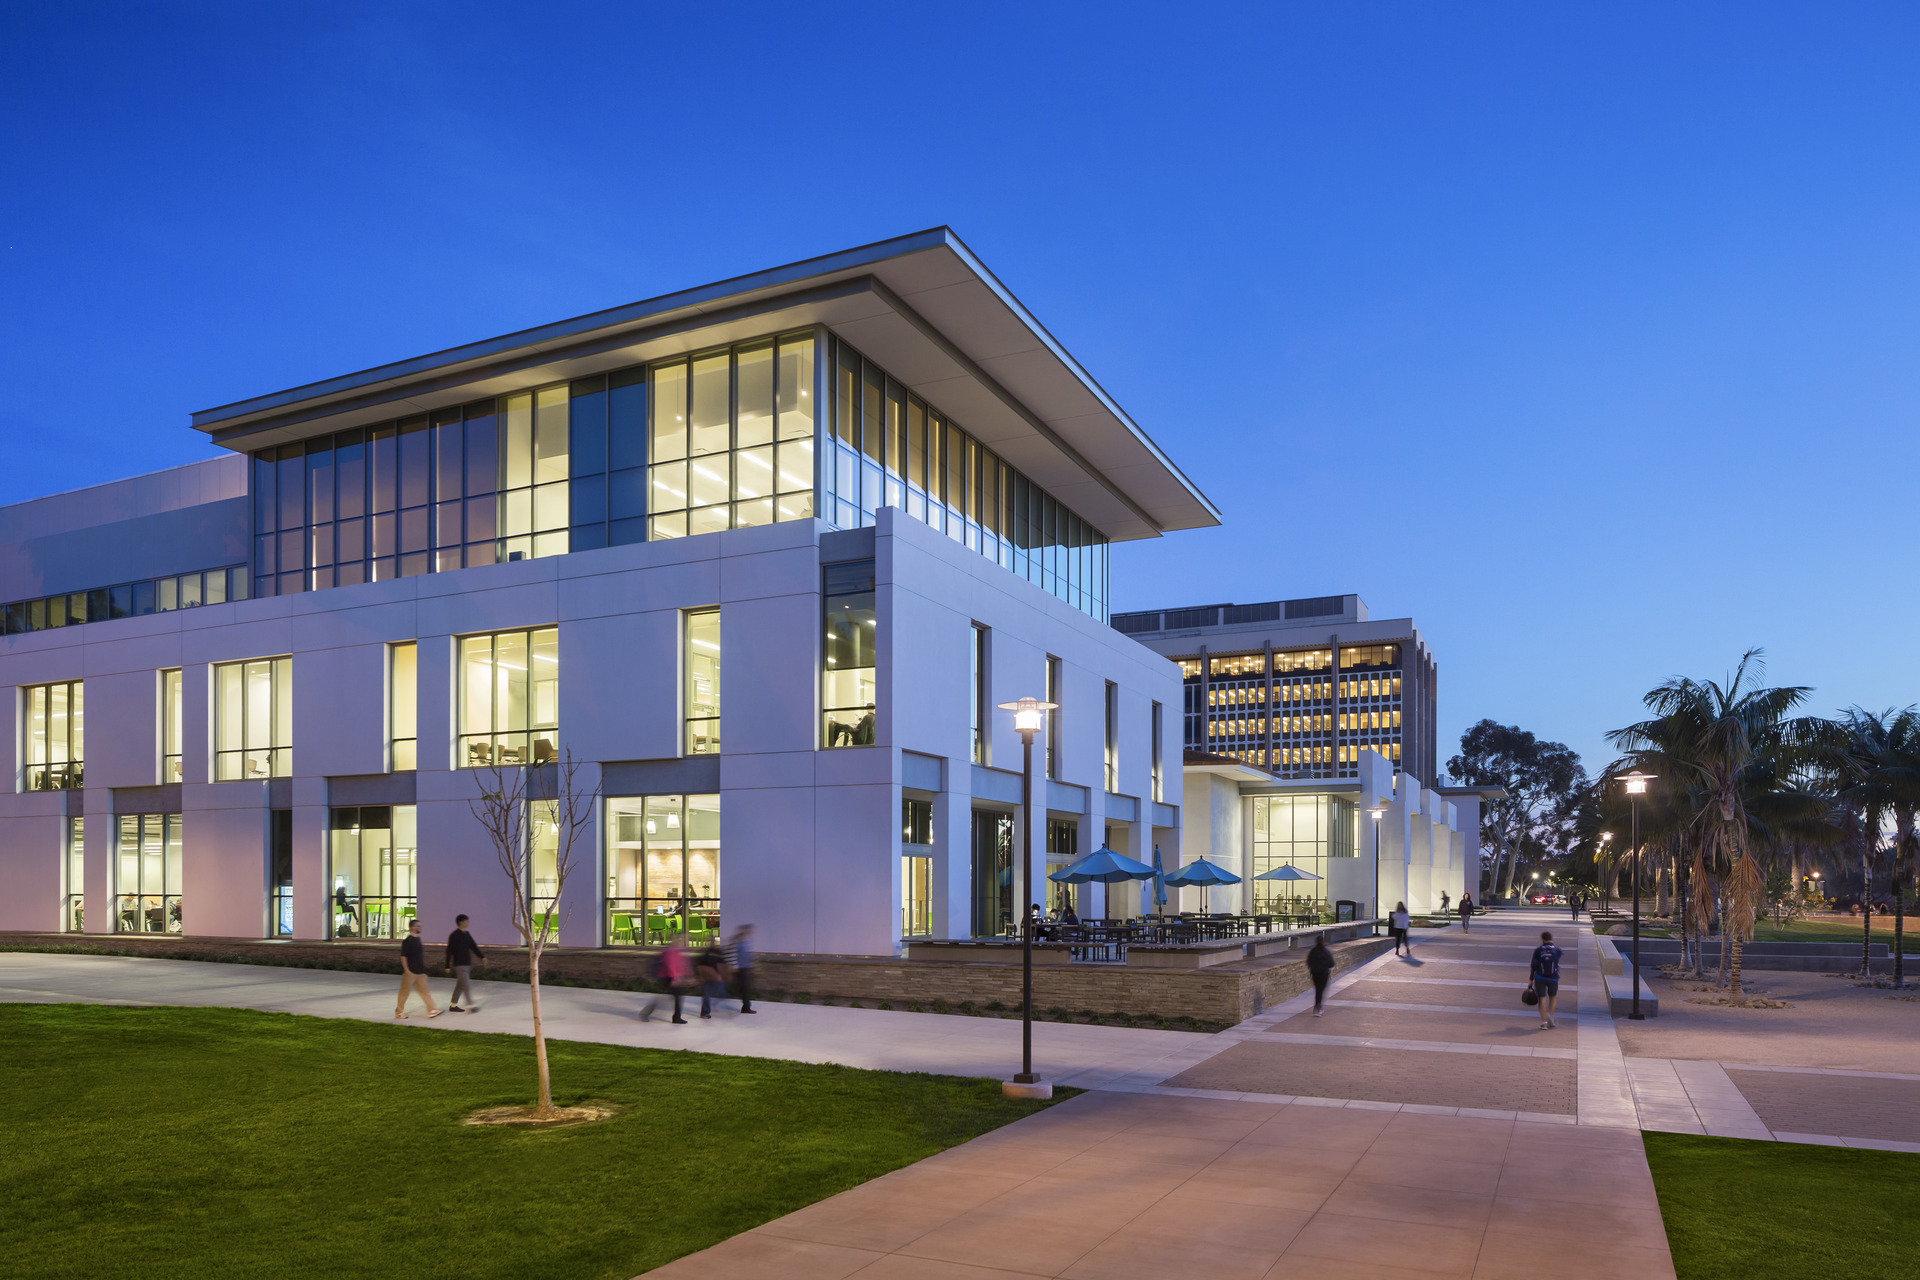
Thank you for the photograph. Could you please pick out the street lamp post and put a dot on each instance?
(1028, 715)
(1636, 784)
(1377, 811)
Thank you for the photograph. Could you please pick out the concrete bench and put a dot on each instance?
(1616, 970)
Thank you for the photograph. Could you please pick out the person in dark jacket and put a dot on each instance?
(711, 969)
(462, 951)
(1466, 913)
(1319, 968)
(413, 974)
(1544, 977)
(740, 960)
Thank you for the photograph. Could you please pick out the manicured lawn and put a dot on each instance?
(1839, 931)
(1783, 1211)
(213, 1143)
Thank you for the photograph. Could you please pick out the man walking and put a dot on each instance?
(1319, 968)
(740, 960)
(413, 973)
(462, 951)
(1573, 900)
(1544, 978)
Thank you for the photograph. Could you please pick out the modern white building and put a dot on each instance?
(762, 556)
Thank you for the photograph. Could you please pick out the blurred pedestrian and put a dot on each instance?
(1397, 924)
(711, 970)
(740, 959)
(1544, 977)
(1444, 900)
(673, 970)
(1319, 968)
(413, 973)
(462, 951)
(1575, 901)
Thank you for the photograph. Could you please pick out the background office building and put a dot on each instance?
(762, 557)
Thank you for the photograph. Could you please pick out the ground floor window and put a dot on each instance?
(74, 909)
(1063, 850)
(992, 874)
(147, 878)
(280, 875)
(374, 872)
(916, 895)
(662, 869)
(1302, 832)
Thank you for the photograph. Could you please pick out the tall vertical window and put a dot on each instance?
(403, 706)
(980, 694)
(253, 719)
(280, 874)
(54, 736)
(1053, 717)
(73, 911)
(147, 874)
(373, 879)
(509, 698)
(731, 444)
(1113, 737)
(1158, 795)
(702, 694)
(663, 869)
(1301, 832)
(847, 685)
(172, 733)
(916, 868)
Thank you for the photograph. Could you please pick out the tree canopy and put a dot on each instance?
(1545, 785)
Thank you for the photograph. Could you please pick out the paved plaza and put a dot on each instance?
(1423, 1127)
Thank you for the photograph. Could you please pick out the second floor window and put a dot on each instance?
(1053, 717)
(172, 733)
(703, 682)
(403, 707)
(1158, 788)
(253, 719)
(981, 694)
(847, 689)
(1113, 736)
(54, 736)
(509, 698)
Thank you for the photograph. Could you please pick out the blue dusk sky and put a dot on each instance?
(1585, 335)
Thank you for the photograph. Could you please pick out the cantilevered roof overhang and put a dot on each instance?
(923, 306)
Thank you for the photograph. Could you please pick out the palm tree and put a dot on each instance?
(1878, 767)
(1731, 749)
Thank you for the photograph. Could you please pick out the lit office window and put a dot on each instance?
(1157, 748)
(403, 706)
(916, 868)
(54, 732)
(1053, 717)
(663, 869)
(280, 875)
(73, 911)
(172, 732)
(981, 693)
(147, 874)
(1113, 737)
(702, 654)
(731, 444)
(1301, 832)
(509, 698)
(253, 719)
(374, 871)
(847, 685)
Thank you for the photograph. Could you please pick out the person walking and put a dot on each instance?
(413, 973)
(740, 960)
(1574, 901)
(1319, 968)
(1544, 978)
(671, 967)
(1466, 913)
(1397, 922)
(462, 951)
(711, 969)
(1444, 899)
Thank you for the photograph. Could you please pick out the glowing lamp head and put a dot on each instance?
(1636, 782)
(1029, 714)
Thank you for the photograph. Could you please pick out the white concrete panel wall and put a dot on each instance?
(223, 842)
(31, 843)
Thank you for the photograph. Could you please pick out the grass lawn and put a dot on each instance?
(1842, 930)
(1783, 1211)
(215, 1143)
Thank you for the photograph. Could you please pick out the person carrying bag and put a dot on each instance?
(1543, 979)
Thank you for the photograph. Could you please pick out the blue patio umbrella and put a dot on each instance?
(1159, 883)
(1203, 875)
(1103, 866)
(1286, 871)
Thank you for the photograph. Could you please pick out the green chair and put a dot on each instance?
(657, 929)
(622, 924)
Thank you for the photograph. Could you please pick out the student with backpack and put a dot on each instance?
(672, 968)
(1544, 977)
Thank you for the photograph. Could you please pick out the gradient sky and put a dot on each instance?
(1585, 335)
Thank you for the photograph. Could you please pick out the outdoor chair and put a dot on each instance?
(623, 924)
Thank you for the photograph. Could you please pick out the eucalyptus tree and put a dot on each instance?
(1544, 782)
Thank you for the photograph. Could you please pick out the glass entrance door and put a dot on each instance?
(375, 869)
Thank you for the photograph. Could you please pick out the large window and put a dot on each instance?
(663, 869)
(253, 719)
(403, 706)
(1158, 726)
(979, 693)
(374, 876)
(731, 443)
(147, 877)
(509, 698)
(127, 600)
(916, 868)
(1053, 717)
(992, 874)
(702, 656)
(280, 874)
(172, 731)
(888, 448)
(1302, 832)
(847, 686)
(55, 738)
(73, 915)
(1063, 850)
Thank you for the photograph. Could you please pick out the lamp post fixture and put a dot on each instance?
(1028, 715)
(1636, 784)
(1377, 812)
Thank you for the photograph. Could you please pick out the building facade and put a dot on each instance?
(758, 559)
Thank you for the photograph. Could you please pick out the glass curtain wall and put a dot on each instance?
(73, 913)
(702, 694)
(1303, 832)
(662, 869)
(403, 706)
(172, 732)
(509, 698)
(280, 874)
(848, 683)
(147, 875)
(253, 719)
(916, 868)
(126, 600)
(731, 444)
(888, 448)
(374, 876)
(54, 731)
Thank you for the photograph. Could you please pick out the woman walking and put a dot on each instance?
(1397, 924)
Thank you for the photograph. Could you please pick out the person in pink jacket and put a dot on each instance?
(672, 967)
